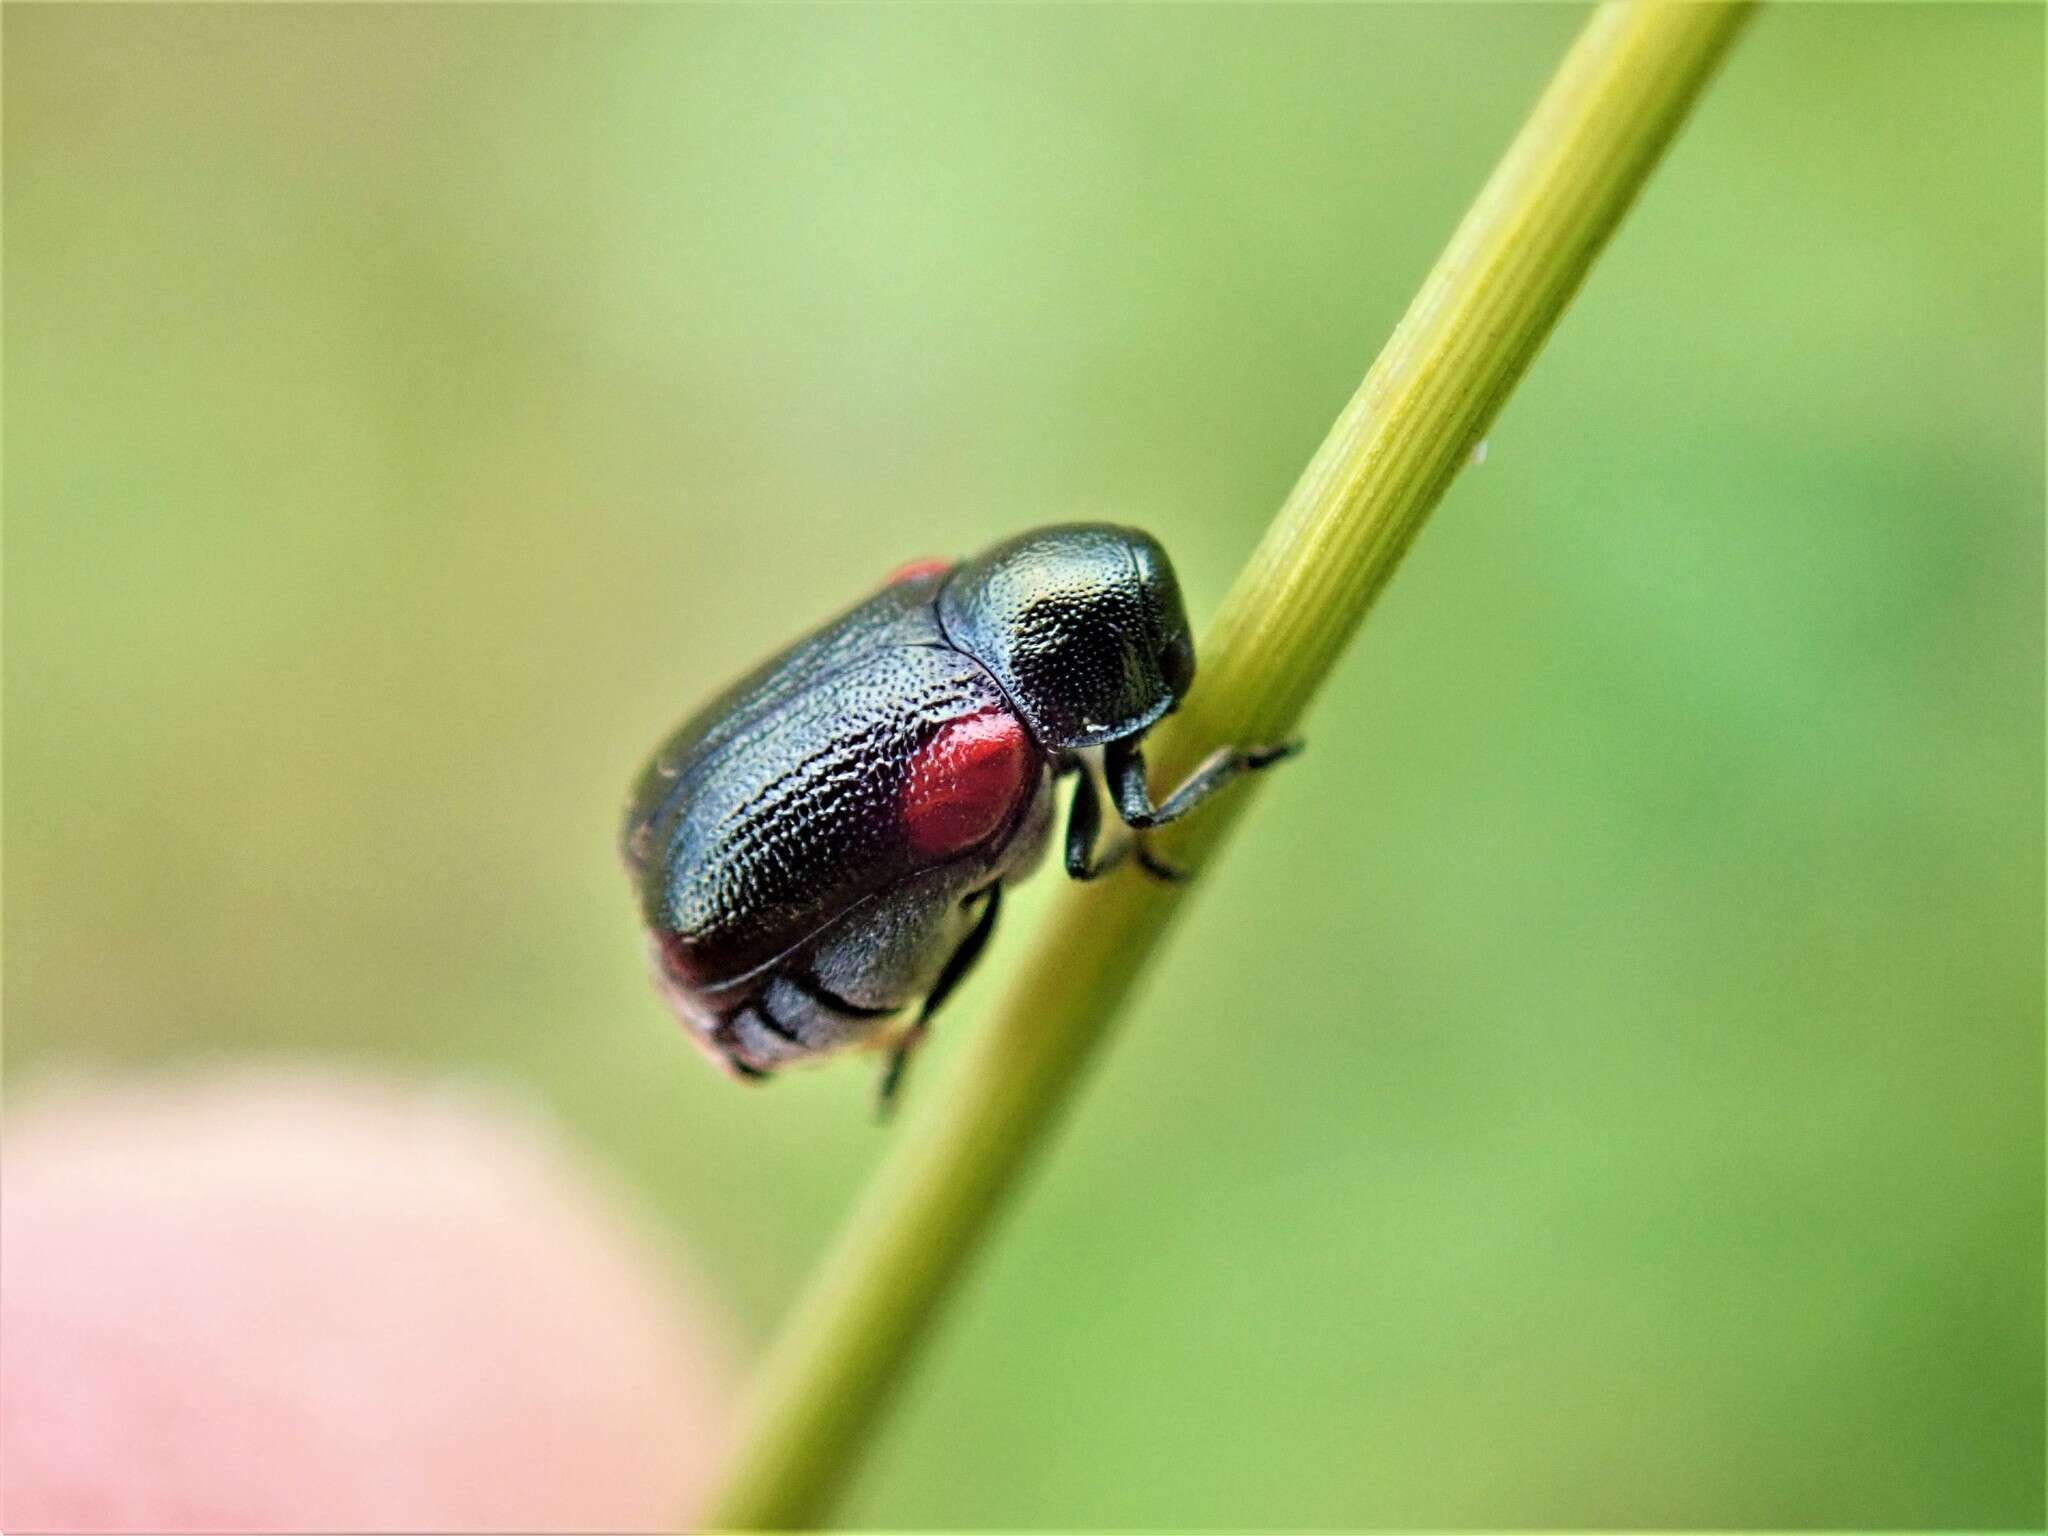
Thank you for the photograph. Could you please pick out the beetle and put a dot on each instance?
(824, 846)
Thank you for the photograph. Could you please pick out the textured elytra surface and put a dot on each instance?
(782, 831)
(899, 614)
(783, 804)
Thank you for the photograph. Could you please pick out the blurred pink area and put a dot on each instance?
(306, 1299)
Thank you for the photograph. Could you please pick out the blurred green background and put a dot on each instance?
(1603, 1085)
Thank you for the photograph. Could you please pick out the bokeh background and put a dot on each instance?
(1604, 1083)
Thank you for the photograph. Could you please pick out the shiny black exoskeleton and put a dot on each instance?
(825, 844)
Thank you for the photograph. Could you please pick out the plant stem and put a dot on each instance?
(1492, 298)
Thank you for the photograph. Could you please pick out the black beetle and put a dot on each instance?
(826, 843)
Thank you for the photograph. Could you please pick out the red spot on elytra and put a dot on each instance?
(914, 570)
(964, 783)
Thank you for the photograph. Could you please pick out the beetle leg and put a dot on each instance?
(1124, 762)
(958, 964)
(963, 958)
(1084, 822)
(892, 1074)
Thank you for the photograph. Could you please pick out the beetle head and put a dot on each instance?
(1083, 627)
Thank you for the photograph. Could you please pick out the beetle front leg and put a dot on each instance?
(1084, 826)
(1124, 762)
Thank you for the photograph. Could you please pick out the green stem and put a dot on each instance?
(1492, 298)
